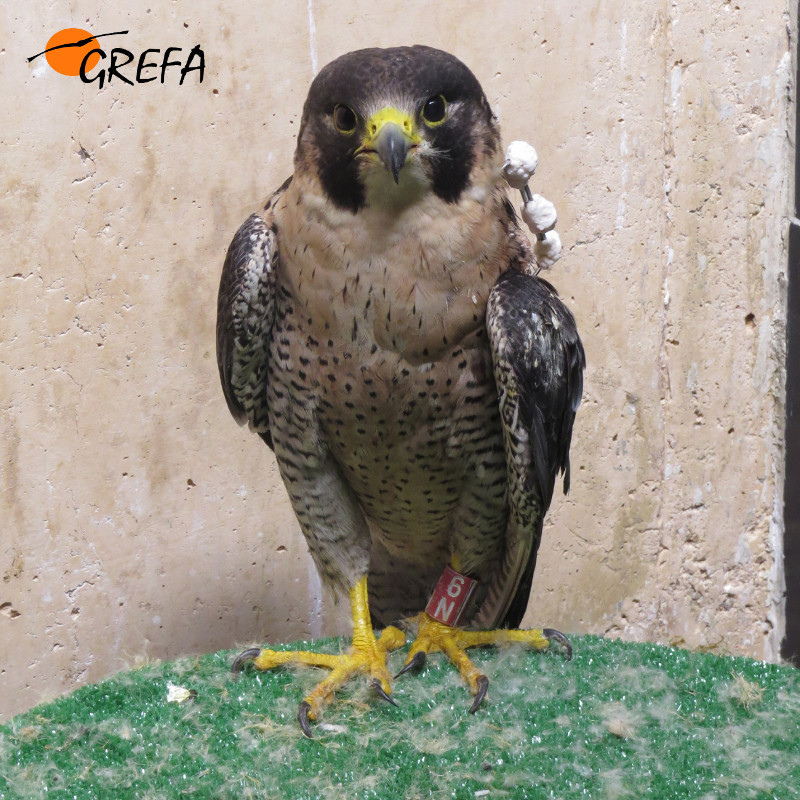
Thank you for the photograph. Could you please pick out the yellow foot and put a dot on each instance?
(366, 656)
(433, 637)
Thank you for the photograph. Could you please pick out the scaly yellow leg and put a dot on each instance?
(433, 637)
(366, 655)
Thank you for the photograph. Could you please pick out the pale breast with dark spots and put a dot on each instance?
(380, 360)
(417, 287)
(409, 439)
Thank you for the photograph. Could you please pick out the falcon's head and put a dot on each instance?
(398, 123)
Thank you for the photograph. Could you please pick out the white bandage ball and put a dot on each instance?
(521, 162)
(539, 214)
(547, 250)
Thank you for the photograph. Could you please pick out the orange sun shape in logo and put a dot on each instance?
(72, 45)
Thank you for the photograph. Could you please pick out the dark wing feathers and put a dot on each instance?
(539, 356)
(245, 316)
(538, 366)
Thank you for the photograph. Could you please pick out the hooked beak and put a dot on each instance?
(392, 146)
(390, 134)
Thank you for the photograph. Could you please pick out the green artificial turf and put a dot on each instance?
(619, 720)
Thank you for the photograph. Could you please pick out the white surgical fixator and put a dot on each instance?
(538, 213)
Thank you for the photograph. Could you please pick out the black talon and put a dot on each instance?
(552, 634)
(417, 662)
(376, 686)
(302, 718)
(483, 687)
(243, 658)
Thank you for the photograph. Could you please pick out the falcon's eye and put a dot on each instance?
(344, 119)
(435, 110)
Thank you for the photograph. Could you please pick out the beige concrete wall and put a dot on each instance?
(139, 521)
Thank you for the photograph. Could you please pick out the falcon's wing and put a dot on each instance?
(245, 316)
(538, 367)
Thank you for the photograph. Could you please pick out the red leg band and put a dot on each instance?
(450, 597)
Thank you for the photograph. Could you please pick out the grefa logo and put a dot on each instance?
(74, 51)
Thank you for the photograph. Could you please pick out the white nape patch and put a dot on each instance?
(479, 193)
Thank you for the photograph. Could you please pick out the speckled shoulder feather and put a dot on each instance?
(538, 367)
(245, 317)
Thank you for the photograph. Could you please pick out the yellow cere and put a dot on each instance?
(386, 115)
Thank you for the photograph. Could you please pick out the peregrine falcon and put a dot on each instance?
(381, 325)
